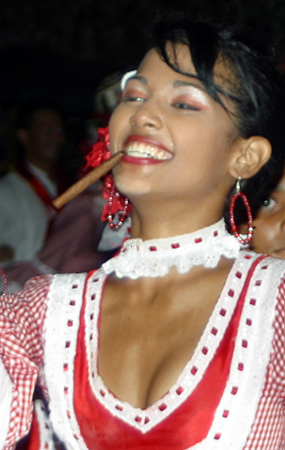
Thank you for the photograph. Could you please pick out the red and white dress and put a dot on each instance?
(230, 394)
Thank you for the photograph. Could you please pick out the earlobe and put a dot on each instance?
(251, 155)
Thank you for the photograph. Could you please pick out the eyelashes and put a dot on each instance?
(130, 98)
(134, 91)
(185, 106)
(125, 97)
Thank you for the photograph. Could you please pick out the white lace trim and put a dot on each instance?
(155, 258)
(62, 325)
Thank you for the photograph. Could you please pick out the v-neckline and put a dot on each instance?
(145, 419)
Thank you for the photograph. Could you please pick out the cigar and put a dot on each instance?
(87, 180)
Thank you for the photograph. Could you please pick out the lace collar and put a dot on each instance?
(155, 257)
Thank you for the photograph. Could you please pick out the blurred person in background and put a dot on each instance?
(27, 191)
(71, 244)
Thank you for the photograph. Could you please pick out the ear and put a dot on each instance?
(22, 136)
(249, 156)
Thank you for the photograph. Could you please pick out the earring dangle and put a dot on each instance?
(114, 200)
(234, 229)
(116, 203)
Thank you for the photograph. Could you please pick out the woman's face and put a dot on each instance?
(269, 226)
(177, 140)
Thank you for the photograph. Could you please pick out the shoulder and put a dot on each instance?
(274, 267)
(11, 180)
(26, 307)
(262, 260)
(66, 292)
(67, 280)
(266, 274)
(34, 289)
(14, 188)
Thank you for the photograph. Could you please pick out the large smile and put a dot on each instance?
(140, 147)
(139, 150)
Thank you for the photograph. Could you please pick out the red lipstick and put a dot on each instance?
(145, 159)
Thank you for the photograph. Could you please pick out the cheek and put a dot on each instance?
(264, 236)
(201, 134)
(112, 130)
(118, 123)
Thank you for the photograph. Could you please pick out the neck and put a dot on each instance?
(166, 220)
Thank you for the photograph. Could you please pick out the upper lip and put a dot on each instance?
(152, 144)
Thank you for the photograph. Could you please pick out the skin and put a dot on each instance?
(269, 226)
(149, 328)
(209, 144)
(44, 139)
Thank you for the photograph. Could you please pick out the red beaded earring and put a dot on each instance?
(117, 203)
(234, 229)
(122, 213)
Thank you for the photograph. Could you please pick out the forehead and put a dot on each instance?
(180, 56)
(43, 116)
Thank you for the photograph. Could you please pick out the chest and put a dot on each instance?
(147, 336)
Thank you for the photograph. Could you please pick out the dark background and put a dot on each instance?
(64, 48)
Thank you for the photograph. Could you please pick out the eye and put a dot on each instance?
(268, 203)
(132, 95)
(185, 102)
(131, 98)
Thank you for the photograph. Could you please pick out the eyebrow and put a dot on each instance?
(176, 84)
(138, 77)
(182, 83)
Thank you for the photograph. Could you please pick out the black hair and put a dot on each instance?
(24, 118)
(28, 110)
(257, 92)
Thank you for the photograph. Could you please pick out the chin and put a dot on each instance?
(131, 187)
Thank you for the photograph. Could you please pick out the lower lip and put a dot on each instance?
(142, 161)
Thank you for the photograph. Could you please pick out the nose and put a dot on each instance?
(146, 116)
(57, 135)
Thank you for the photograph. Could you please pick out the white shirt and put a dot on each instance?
(23, 217)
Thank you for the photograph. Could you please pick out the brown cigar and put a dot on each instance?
(87, 180)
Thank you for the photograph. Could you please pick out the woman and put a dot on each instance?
(175, 342)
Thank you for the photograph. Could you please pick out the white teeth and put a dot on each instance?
(161, 155)
(135, 153)
(140, 150)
